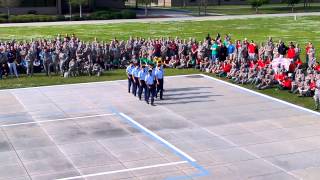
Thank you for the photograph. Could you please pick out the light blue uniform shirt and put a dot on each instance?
(135, 72)
(130, 69)
(142, 74)
(159, 73)
(149, 79)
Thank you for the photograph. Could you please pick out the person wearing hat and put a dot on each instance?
(135, 77)
(159, 74)
(317, 94)
(142, 83)
(129, 75)
(151, 88)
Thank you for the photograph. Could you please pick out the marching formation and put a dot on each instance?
(144, 79)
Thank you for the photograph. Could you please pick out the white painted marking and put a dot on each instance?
(246, 150)
(252, 153)
(56, 120)
(157, 137)
(124, 170)
(262, 95)
(46, 132)
(87, 83)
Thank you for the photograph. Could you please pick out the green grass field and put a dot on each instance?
(301, 31)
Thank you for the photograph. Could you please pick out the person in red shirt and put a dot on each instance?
(267, 61)
(194, 51)
(313, 86)
(252, 50)
(252, 64)
(280, 77)
(291, 52)
(298, 63)
(292, 67)
(261, 64)
(285, 84)
(226, 68)
(317, 67)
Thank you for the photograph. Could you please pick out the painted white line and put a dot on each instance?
(154, 135)
(87, 83)
(56, 120)
(125, 170)
(246, 150)
(252, 153)
(262, 95)
(51, 139)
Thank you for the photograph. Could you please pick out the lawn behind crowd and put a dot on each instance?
(301, 31)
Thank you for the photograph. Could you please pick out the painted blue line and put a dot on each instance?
(203, 171)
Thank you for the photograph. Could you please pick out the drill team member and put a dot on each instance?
(135, 78)
(150, 87)
(159, 74)
(143, 87)
(129, 74)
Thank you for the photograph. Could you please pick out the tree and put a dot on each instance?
(79, 3)
(292, 3)
(146, 3)
(199, 7)
(205, 2)
(257, 3)
(8, 4)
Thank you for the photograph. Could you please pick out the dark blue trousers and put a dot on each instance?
(130, 82)
(151, 93)
(160, 88)
(142, 88)
(135, 86)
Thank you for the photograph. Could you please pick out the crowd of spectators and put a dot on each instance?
(242, 61)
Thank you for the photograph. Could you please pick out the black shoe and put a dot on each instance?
(147, 102)
(161, 99)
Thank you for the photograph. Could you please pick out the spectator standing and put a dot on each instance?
(11, 62)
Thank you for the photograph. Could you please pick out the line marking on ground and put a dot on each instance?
(51, 139)
(125, 170)
(252, 153)
(246, 150)
(262, 95)
(158, 138)
(57, 120)
(86, 83)
(174, 149)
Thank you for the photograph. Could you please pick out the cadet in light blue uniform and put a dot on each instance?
(129, 74)
(159, 74)
(150, 87)
(143, 87)
(135, 78)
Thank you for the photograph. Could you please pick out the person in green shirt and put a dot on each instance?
(214, 51)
